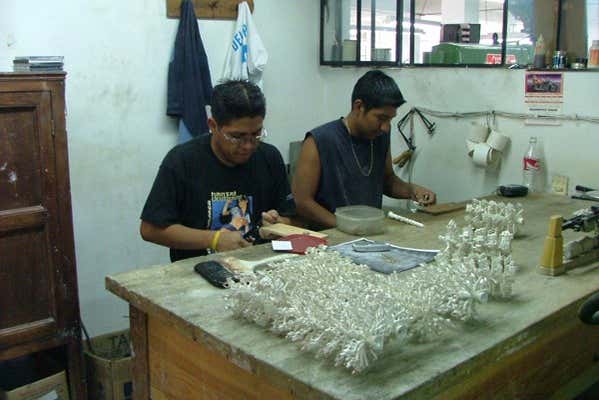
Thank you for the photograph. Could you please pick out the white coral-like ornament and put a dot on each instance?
(348, 313)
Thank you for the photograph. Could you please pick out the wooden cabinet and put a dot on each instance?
(39, 304)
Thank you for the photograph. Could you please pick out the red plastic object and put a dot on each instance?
(300, 243)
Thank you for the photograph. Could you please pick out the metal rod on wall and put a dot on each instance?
(372, 29)
(398, 30)
(359, 30)
(412, 29)
(504, 34)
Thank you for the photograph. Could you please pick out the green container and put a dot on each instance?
(460, 53)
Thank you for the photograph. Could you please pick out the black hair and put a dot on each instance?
(377, 89)
(236, 99)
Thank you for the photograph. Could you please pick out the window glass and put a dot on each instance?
(449, 32)
(368, 31)
(339, 42)
(386, 37)
(490, 18)
(458, 32)
(427, 30)
(405, 34)
(592, 20)
(523, 31)
(379, 30)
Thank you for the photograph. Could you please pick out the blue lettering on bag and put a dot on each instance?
(244, 53)
(238, 38)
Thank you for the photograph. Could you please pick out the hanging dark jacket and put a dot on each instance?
(189, 82)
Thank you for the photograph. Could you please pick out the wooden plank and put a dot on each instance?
(285, 230)
(30, 80)
(184, 369)
(77, 380)
(572, 389)
(30, 347)
(581, 260)
(26, 332)
(556, 351)
(139, 343)
(157, 394)
(443, 208)
(22, 218)
(208, 9)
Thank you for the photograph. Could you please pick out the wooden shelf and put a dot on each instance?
(208, 9)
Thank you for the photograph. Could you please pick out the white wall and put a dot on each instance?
(116, 55)
(570, 149)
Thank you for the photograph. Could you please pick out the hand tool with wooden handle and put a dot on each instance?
(403, 158)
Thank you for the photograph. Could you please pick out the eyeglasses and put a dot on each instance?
(251, 139)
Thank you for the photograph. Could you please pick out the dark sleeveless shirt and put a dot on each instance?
(341, 182)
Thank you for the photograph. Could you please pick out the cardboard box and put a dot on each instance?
(108, 363)
(53, 387)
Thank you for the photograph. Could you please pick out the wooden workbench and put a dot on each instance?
(187, 345)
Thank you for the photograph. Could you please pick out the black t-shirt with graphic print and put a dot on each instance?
(193, 188)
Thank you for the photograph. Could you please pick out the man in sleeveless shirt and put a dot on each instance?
(189, 208)
(348, 161)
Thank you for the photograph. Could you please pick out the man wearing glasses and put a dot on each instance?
(348, 161)
(189, 208)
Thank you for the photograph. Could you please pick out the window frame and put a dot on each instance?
(357, 62)
(398, 39)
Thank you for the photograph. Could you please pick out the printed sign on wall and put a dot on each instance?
(544, 94)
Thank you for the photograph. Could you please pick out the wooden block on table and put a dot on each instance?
(443, 208)
(285, 230)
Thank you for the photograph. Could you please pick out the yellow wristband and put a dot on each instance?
(215, 240)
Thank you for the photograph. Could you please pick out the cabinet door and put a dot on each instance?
(28, 212)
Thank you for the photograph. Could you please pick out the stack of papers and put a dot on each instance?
(38, 64)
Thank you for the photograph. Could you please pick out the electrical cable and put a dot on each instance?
(505, 114)
(89, 342)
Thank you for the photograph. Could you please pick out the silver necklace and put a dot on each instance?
(351, 142)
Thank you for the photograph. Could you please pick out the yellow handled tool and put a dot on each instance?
(403, 158)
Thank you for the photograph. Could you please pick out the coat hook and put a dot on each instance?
(213, 4)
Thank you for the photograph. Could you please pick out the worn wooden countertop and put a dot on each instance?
(175, 293)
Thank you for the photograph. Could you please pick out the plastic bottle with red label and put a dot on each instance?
(531, 166)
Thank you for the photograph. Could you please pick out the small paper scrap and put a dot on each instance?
(281, 245)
